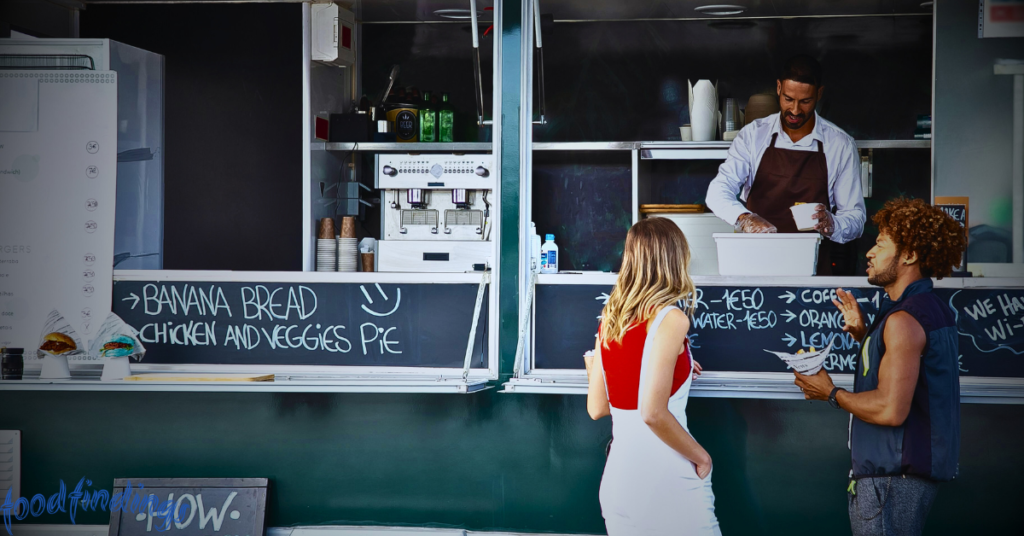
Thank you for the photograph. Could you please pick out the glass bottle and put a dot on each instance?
(446, 121)
(428, 120)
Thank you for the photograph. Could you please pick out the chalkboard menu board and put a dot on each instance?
(354, 324)
(188, 507)
(732, 326)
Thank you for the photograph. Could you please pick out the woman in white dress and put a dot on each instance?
(657, 479)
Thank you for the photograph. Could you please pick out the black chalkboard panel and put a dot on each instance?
(732, 326)
(188, 506)
(366, 324)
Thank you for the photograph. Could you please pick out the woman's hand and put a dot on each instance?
(703, 466)
(853, 316)
(697, 369)
(588, 360)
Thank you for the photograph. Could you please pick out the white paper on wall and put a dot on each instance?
(10, 466)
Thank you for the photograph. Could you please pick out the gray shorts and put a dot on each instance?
(891, 505)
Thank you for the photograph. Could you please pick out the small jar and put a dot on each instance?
(12, 363)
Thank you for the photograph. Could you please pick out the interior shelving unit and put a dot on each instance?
(434, 50)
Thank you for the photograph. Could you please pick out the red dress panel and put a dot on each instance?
(621, 362)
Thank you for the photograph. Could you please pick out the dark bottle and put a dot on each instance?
(446, 121)
(12, 363)
(428, 120)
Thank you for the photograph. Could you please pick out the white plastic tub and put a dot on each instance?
(792, 254)
(699, 230)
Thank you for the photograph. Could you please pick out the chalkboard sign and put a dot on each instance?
(959, 209)
(354, 324)
(732, 326)
(188, 507)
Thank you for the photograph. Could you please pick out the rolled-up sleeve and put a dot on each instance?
(732, 176)
(848, 195)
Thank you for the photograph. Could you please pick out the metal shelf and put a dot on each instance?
(658, 149)
(770, 385)
(690, 150)
(894, 144)
(377, 147)
(586, 146)
(306, 384)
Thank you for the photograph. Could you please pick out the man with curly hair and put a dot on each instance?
(905, 408)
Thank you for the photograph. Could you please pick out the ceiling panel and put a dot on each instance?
(424, 10)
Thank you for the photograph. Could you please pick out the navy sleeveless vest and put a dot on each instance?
(927, 444)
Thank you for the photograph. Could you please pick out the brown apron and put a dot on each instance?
(786, 177)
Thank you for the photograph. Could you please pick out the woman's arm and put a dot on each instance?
(597, 396)
(668, 342)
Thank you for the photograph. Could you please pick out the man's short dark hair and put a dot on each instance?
(804, 69)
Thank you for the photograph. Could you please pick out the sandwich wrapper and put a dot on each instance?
(57, 341)
(807, 363)
(116, 342)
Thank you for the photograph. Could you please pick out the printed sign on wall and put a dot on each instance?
(58, 158)
(1001, 18)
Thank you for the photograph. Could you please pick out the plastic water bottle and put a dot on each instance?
(534, 248)
(549, 255)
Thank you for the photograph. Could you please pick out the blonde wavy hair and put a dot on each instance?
(655, 273)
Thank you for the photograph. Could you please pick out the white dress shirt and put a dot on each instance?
(736, 174)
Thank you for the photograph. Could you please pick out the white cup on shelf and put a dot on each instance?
(686, 133)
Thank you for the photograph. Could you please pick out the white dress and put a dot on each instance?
(648, 488)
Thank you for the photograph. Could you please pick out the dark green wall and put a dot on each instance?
(528, 463)
(482, 461)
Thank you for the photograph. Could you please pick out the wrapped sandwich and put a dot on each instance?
(117, 339)
(58, 337)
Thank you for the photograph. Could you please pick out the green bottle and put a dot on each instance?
(447, 120)
(428, 120)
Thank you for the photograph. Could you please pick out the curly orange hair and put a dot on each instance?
(916, 226)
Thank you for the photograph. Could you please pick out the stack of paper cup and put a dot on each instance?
(348, 254)
(348, 246)
(326, 247)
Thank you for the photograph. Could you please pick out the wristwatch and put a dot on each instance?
(832, 397)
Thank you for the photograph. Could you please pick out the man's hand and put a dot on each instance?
(853, 316)
(697, 369)
(826, 222)
(816, 387)
(749, 222)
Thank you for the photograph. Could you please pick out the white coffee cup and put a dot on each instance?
(802, 216)
(686, 133)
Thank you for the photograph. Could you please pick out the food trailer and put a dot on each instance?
(331, 373)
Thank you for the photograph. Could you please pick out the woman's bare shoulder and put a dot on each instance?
(676, 320)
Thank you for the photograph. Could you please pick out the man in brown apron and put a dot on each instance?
(789, 158)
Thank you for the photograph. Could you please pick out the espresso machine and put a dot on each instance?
(436, 212)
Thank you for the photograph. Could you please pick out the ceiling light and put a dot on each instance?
(458, 14)
(720, 9)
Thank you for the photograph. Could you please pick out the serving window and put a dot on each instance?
(399, 235)
(606, 150)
